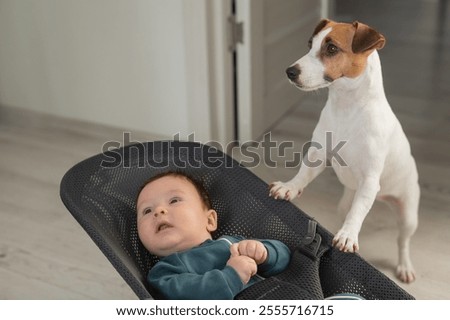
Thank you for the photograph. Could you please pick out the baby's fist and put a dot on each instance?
(245, 267)
(251, 248)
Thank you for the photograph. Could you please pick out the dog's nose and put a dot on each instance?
(292, 73)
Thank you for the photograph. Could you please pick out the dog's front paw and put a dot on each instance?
(284, 191)
(346, 241)
(406, 273)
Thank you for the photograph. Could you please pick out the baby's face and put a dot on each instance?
(171, 216)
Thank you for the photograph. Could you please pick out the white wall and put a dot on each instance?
(126, 63)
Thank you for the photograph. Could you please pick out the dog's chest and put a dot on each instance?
(343, 134)
(337, 127)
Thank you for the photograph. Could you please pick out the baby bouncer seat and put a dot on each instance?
(100, 193)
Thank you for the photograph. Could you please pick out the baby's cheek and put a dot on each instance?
(144, 231)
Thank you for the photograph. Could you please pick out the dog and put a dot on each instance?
(378, 163)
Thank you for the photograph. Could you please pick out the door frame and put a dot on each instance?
(221, 69)
(250, 80)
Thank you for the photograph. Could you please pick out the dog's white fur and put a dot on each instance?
(379, 164)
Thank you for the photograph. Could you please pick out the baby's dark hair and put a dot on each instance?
(196, 183)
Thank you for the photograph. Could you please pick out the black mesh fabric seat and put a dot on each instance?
(100, 193)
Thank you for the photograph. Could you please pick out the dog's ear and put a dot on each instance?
(366, 38)
(320, 26)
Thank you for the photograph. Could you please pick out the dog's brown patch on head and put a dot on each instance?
(345, 49)
(322, 24)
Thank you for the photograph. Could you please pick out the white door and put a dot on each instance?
(275, 34)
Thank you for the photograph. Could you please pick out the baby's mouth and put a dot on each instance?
(163, 226)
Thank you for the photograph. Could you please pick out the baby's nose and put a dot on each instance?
(160, 210)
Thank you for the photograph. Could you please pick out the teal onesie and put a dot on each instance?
(201, 273)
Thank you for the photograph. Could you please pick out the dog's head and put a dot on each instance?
(336, 50)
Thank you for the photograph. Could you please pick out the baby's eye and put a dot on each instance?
(174, 200)
(147, 211)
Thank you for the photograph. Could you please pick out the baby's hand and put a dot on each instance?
(251, 248)
(244, 266)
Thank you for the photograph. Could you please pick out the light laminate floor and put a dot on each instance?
(44, 254)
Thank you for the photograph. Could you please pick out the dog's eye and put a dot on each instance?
(310, 43)
(332, 49)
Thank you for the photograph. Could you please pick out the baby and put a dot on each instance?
(175, 221)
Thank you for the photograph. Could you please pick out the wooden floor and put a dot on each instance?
(44, 254)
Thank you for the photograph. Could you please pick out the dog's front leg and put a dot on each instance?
(346, 239)
(311, 167)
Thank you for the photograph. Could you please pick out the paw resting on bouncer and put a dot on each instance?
(284, 190)
(346, 241)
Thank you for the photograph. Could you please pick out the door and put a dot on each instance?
(275, 34)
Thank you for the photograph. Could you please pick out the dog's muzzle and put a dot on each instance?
(292, 73)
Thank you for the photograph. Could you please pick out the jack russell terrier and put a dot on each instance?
(378, 161)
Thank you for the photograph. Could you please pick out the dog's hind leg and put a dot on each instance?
(407, 218)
